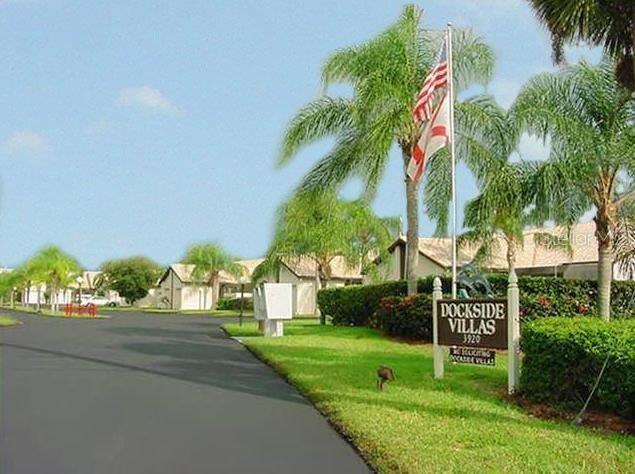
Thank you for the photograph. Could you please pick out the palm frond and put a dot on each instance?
(323, 117)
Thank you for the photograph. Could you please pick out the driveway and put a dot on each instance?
(143, 393)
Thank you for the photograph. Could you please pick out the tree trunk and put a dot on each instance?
(215, 292)
(511, 255)
(320, 284)
(605, 266)
(412, 233)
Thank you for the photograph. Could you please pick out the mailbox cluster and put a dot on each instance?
(273, 304)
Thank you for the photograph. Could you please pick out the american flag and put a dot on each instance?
(435, 136)
(437, 79)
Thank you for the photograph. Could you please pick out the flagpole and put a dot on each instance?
(452, 157)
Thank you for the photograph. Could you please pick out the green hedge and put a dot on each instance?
(539, 297)
(407, 317)
(356, 305)
(563, 357)
(233, 304)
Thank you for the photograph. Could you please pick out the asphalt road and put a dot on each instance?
(143, 393)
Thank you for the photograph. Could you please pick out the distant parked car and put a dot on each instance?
(97, 301)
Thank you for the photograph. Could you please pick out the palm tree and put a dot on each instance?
(209, 260)
(320, 227)
(54, 268)
(386, 73)
(589, 120)
(500, 212)
(606, 23)
(9, 281)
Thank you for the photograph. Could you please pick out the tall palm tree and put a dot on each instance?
(320, 227)
(589, 120)
(500, 212)
(55, 268)
(209, 260)
(606, 23)
(386, 73)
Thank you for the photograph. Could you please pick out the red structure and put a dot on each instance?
(70, 309)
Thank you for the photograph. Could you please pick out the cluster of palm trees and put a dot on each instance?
(50, 267)
(586, 113)
(320, 227)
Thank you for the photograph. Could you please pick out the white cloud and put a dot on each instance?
(145, 96)
(26, 143)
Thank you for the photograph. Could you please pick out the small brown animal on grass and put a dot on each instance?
(384, 374)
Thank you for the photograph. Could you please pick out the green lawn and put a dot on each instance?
(418, 424)
(6, 321)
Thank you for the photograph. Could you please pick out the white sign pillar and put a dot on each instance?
(437, 350)
(513, 334)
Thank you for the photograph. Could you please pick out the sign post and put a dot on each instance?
(513, 334)
(474, 328)
(437, 350)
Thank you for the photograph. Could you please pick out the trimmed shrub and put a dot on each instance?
(539, 297)
(355, 305)
(233, 304)
(409, 317)
(564, 356)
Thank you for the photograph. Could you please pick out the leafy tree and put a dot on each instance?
(386, 73)
(131, 277)
(209, 260)
(9, 281)
(53, 267)
(500, 211)
(606, 23)
(589, 121)
(320, 227)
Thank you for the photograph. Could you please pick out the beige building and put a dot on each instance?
(302, 274)
(177, 289)
(435, 258)
(551, 251)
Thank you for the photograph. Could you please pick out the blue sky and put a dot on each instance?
(141, 127)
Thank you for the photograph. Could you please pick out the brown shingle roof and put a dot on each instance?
(581, 238)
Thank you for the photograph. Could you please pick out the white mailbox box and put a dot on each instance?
(275, 304)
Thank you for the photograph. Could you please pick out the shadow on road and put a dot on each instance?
(190, 356)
